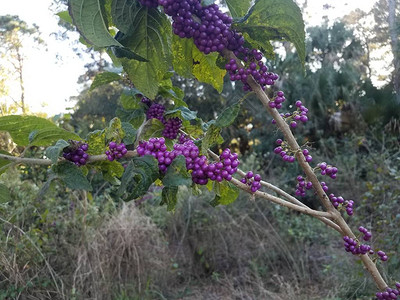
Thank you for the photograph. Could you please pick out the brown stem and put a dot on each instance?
(48, 162)
(291, 140)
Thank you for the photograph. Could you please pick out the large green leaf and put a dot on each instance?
(41, 132)
(135, 117)
(90, 18)
(213, 136)
(228, 116)
(177, 173)
(104, 78)
(129, 101)
(225, 193)
(148, 33)
(47, 136)
(140, 173)
(206, 70)
(275, 20)
(182, 57)
(72, 176)
(238, 8)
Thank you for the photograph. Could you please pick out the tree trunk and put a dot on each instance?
(21, 80)
(395, 47)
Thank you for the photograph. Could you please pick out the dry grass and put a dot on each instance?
(126, 252)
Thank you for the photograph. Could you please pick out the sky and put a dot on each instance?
(51, 76)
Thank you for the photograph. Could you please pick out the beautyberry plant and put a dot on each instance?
(194, 39)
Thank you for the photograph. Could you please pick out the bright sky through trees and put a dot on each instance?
(51, 76)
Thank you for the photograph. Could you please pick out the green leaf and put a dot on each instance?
(130, 133)
(72, 176)
(97, 142)
(114, 130)
(140, 173)
(46, 132)
(182, 56)
(111, 170)
(275, 20)
(148, 33)
(228, 116)
(90, 18)
(175, 93)
(177, 173)
(129, 101)
(64, 15)
(53, 152)
(47, 136)
(225, 193)
(183, 112)
(135, 117)
(238, 8)
(212, 137)
(5, 195)
(169, 197)
(151, 128)
(206, 70)
(104, 78)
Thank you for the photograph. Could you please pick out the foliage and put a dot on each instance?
(75, 217)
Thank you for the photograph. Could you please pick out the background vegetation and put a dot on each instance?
(55, 242)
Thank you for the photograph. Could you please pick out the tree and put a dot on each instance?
(13, 32)
(173, 146)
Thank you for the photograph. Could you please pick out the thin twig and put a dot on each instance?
(48, 162)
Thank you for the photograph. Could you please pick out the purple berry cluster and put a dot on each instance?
(284, 151)
(328, 170)
(211, 31)
(116, 151)
(208, 26)
(76, 153)
(367, 235)
(171, 128)
(277, 101)
(253, 181)
(299, 115)
(389, 294)
(302, 186)
(157, 148)
(156, 111)
(340, 202)
(356, 248)
(146, 101)
(202, 170)
(382, 255)
(253, 66)
(172, 125)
